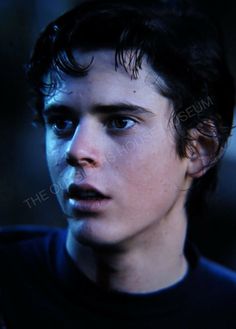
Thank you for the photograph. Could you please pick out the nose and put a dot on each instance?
(85, 147)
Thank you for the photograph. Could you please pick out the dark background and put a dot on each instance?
(26, 194)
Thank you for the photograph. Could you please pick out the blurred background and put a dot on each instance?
(26, 193)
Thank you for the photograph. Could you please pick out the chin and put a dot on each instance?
(94, 236)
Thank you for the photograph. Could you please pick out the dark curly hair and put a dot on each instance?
(181, 45)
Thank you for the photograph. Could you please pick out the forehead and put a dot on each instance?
(106, 83)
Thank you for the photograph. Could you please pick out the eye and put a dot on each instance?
(61, 126)
(120, 123)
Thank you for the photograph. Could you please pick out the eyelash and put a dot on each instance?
(54, 121)
(119, 118)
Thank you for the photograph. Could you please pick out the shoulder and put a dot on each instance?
(209, 276)
(15, 234)
(213, 289)
(26, 234)
(210, 289)
(28, 256)
(216, 275)
(22, 246)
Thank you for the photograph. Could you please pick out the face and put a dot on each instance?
(111, 153)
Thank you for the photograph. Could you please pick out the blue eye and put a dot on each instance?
(120, 123)
(61, 126)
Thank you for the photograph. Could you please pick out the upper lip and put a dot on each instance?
(74, 190)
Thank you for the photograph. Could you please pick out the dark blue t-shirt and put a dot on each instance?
(42, 288)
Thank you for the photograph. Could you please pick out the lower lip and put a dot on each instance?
(89, 205)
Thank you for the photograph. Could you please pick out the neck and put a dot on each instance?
(150, 264)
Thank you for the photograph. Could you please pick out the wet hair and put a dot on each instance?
(180, 44)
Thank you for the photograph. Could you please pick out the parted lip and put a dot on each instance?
(74, 191)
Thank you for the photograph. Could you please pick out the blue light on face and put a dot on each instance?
(231, 149)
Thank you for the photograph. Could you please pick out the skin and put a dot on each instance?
(134, 243)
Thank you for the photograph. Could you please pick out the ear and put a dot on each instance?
(202, 150)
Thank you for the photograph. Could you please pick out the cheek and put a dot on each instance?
(55, 152)
(145, 153)
(155, 171)
(152, 166)
(57, 168)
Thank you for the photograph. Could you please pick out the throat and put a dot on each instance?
(139, 278)
(128, 272)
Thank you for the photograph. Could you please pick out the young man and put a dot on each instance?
(118, 88)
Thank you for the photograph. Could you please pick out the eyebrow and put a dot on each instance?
(100, 109)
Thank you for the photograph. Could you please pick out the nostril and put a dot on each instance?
(85, 161)
(82, 162)
(71, 160)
